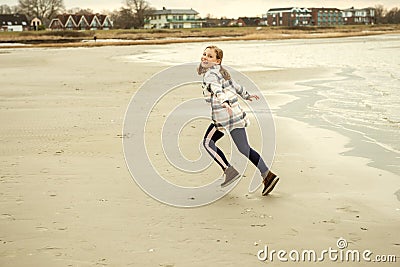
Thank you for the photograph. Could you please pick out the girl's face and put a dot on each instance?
(209, 58)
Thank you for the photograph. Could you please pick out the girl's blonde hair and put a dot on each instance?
(219, 55)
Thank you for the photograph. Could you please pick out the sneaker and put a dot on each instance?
(270, 180)
(231, 175)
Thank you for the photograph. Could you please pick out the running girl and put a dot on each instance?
(221, 91)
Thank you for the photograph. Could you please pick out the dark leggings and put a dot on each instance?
(239, 137)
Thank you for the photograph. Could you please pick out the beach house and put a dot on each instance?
(172, 19)
(81, 22)
(290, 17)
(36, 23)
(13, 22)
(359, 16)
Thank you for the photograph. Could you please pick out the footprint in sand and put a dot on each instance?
(347, 209)
(7, 216)
(354, 237)
(41, 228)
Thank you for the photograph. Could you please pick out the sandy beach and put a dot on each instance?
(67, 197)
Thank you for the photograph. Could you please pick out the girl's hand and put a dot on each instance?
(228, 108)
(256, 97)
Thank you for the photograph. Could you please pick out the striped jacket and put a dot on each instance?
(216, 91)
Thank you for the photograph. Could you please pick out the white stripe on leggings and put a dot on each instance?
(212, 152)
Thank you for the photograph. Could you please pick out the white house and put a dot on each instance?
(172, 19)
(359, 16)
(13, 22)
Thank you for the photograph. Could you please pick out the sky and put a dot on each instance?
(225, 8)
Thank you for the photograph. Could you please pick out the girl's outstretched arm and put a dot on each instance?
(240, 90)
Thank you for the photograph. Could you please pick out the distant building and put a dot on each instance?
(212, 22)
(290, 16)
(81, 22)
(246, 21)
(359, 16)
(35, 23)
(172, 19)
(13, 23)
(326, 16)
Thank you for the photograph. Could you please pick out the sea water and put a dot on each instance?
(361, 99)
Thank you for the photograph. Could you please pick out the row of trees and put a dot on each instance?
(43, 9)
(384, 16)
(132, 14)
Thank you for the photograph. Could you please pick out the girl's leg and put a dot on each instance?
(210, 138)
(239, 137)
